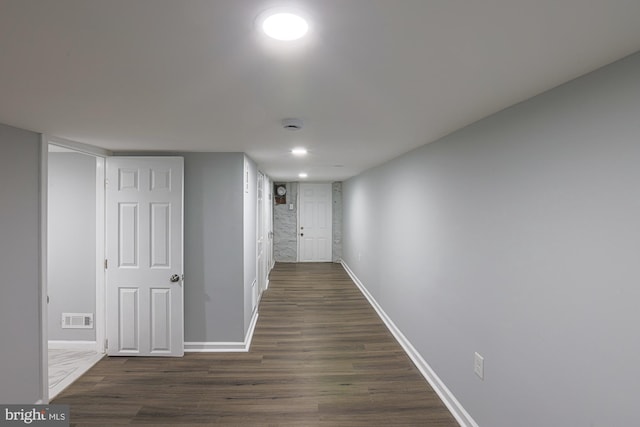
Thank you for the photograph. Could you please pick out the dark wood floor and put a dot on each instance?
(320, 357)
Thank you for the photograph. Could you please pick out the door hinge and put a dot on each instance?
(106, 264)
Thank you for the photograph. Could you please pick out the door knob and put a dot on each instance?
(174, 278)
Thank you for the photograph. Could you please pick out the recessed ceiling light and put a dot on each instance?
(299, 151)
(285, 26)
(303, 175)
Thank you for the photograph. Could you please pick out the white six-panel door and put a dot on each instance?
(315, 225)
(144, 237)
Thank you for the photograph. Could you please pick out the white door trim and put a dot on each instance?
(100, 319)
(79, 147)
(298, 208)
(100, 310)
(42, 297)
(260, 243)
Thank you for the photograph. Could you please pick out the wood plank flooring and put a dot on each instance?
(320, 357)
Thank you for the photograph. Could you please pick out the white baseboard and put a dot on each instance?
(73, 345)
(251, 330)
(214, 347)
(220, 347)
(456, 409)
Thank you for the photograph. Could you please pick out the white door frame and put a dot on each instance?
(100, 317)
(298, 219)
(264, 228)
(42, 288)
(100, 156)
(101, 301)
(269, 214)
(260, 244)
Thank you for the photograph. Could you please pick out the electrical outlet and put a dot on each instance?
(478, 365)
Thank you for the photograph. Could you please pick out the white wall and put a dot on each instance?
(20, 319)
(71, 282)
(518, 237)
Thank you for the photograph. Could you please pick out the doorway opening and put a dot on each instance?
(75, 274)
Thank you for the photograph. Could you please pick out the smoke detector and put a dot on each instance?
(292, 124)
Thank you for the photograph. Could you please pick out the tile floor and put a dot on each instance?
(67, 365)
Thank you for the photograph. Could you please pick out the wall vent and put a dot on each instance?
(77, 320)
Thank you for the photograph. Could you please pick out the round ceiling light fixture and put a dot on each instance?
(285, 26)
(299, 151)
(303, 175)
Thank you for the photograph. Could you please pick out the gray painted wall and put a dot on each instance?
(71, 279)
(214, 257)
(20, 325)
(517, 237)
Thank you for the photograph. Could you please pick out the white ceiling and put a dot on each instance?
(374, 79)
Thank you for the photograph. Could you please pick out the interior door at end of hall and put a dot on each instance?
(315, 227)
(144, 216)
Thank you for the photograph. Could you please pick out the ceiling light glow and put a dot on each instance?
(285, 26)
(303, 175)
(299, 151)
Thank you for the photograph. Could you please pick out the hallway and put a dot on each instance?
(320, 356)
